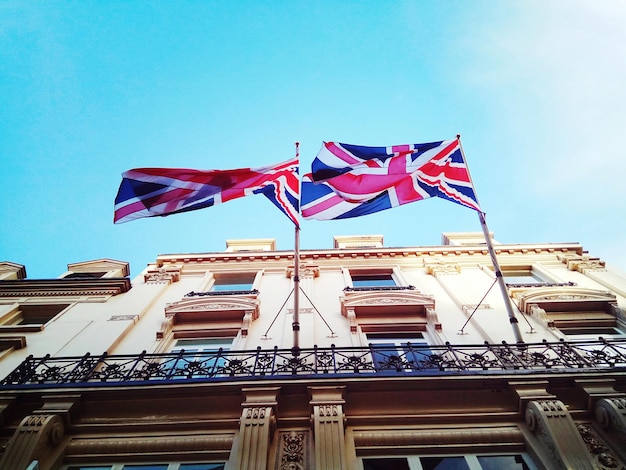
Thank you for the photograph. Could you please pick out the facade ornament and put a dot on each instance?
(584, 263)
(437, 269)
(162, 276)
(293, 452)
(555, 433)
(307, 271)
(35, 438)
(604, 457)
(611, 415)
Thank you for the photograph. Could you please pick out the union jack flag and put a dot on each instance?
(150, 192)
(351, 180)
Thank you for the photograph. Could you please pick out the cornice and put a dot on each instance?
(368, 253)
(64, 287)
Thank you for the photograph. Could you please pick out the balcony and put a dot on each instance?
(600, 356)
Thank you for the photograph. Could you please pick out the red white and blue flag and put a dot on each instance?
(351, 181)
(150, 192)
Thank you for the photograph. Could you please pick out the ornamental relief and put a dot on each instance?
(162, 275)
(213, 304)
(559, 295)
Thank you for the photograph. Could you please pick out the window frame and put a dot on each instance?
(10, 321)
(122, 466)
(472, 460)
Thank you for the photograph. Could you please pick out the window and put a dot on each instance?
(207, 360)
(399, 352)
(236, 282)
(372, 280)
(522, 276)
(457, 462)
(84, 275)
(575, 312)
(30, 317)
(156, 466)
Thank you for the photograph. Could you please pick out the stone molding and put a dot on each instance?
(215, 445)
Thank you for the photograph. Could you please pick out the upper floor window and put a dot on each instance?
(399, 351)
(234, 282)
(30, 317)
(522, 275)
(372, 280)
(452, 462)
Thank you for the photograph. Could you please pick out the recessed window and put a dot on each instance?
(523, 275)
(372, 280)
(31, 317)
(238, 282)
(84, 275)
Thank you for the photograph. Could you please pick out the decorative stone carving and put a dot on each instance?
(407, 306)
(611, 415)
(307, 271)
(557, 435)
(584, 263)
(162, 276)
(133, 318)
(293, 451)
(440, 269)
(35, 439)
(604, 457)
(211, 310)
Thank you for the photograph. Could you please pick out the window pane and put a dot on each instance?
(386, 464)
(201, 466)
(161, 466)
(231, 286)
(82, 467)
(502, 462)
(373, 280)
(444, 463)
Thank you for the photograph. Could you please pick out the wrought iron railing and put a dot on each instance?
(599, 356)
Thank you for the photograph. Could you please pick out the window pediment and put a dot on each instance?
(565, 299)
(408, 308)
(209, 308)
(207, 315)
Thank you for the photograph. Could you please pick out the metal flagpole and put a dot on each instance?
(496, 266)
(295, 350)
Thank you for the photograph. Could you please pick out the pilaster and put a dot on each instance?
(256, 428)
(328, 427)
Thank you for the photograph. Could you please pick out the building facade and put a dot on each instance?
(405, 359)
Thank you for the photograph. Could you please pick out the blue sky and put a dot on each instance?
(89, 89)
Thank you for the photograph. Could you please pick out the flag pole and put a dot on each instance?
(494, 261)
(295, 350)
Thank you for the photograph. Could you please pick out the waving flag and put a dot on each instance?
(351, 180)
(150, 192)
